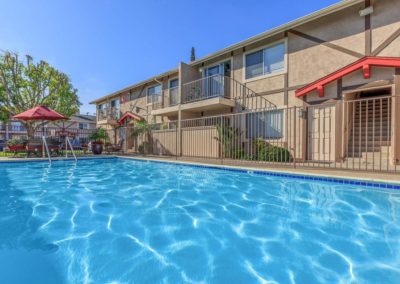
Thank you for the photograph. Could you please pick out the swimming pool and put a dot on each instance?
(128, 221)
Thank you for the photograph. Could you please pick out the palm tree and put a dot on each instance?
(143, 128)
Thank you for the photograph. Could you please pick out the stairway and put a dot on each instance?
(370, 136)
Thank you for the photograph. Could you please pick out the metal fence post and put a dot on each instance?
(176, 142)
(222, 141)
(126, 140)
(294, 137)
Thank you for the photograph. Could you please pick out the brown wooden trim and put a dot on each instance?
(358, 87)
(386, 43)
(286, 78)
(282, 90)
(286, 92)
(368, 31)
(293, 88)
(327, 44)
(340, 88)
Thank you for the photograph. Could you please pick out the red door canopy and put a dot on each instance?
(364, 64)
(39, 113)
(129, 115)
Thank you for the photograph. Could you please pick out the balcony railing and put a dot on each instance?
(12, 128)
(108, 114)
(224, 87)
(168, 98)
(205, 88)
(216, 86)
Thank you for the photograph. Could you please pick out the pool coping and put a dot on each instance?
(295, 173)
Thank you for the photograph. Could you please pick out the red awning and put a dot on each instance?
(364, 64)
(129, 115)
(39, 113)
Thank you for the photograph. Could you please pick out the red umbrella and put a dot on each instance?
(39, 113)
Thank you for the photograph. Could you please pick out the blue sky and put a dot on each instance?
(105, 45)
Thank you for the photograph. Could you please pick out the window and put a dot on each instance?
(174, 83)
(115, 104)
(174, 92)
(83, 125)
(153, 94)
(266, 61)
(266, 124)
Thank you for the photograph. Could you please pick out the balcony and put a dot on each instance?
(168, 98)
(216, 92)
(216, 86)
(108, 116)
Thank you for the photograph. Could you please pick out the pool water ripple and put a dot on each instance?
(125, 221)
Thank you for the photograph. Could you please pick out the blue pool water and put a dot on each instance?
(125, 221)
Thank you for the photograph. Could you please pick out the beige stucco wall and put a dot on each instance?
(384, 22)
(307, 61)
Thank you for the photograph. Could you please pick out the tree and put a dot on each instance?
(144, 129)
(25, 84)
(192, 54)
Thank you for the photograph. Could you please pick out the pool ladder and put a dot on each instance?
(46, 147)
(68, 143)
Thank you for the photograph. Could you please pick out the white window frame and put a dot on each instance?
(85, 124)
(213, 64)
(173, 79)
(147, 92)
(272, 137)
(285, 42)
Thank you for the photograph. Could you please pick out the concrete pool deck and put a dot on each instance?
(380, 177)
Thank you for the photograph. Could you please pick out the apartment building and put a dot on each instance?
(324, 86)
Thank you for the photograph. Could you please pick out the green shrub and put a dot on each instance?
(16, 141)
(264, 151)
(99, 136)
(275, 154)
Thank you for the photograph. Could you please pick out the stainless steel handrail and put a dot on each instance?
(68, 143)
(46, 148)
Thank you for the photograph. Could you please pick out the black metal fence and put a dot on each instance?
(353, 134)
(17, 134)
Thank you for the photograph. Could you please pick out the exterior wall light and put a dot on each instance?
(302, 113)
(367, 11)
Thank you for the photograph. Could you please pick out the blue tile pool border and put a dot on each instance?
(344, 180)
(348, 181)
(69, 159)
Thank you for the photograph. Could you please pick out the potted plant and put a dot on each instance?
(16, 144)
(98, 138)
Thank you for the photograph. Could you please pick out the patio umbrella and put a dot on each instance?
(42, 113)
(39, 113)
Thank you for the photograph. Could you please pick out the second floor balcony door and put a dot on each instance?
(215, 83)
(173, 92)
(115, 109)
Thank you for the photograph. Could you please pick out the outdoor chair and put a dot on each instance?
(112, 148)
(15, 149)
(76, 145)
(34, 146)
(54, 146)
